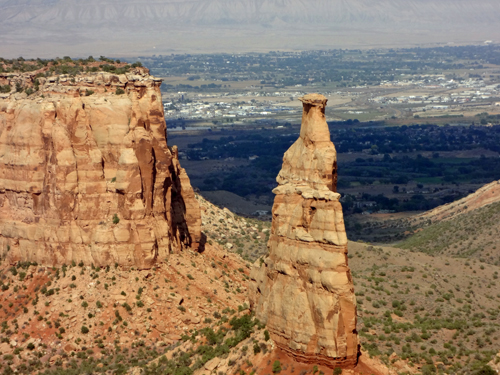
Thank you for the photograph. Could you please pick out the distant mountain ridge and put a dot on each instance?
(175, 24)
(216, 12)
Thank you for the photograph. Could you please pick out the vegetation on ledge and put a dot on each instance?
(66, 65)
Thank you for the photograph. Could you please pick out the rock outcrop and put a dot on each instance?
(86, 173)
(303, 290)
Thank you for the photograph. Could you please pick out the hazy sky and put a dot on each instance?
(49, 28)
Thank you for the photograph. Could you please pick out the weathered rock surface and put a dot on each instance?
(303, 290)
(495, 363)
(86, 173)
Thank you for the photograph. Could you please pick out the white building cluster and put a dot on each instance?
(451, 92)
(233, 105)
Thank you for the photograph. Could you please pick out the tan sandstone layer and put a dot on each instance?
(86, 173)
(303, 290)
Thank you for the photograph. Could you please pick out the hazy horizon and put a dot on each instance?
(49, 28)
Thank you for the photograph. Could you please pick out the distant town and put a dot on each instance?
(215, 90)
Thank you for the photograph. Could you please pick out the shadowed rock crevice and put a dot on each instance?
(303, 290)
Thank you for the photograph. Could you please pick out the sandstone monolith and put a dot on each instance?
(86, 173)
(303, 290)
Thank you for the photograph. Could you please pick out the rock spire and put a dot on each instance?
(86, 174)
(303, 290)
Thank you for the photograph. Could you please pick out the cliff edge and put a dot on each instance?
(86, 173)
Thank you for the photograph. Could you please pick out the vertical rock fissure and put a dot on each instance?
(153, 177)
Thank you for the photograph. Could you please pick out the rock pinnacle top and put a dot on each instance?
(312, 159)
(317, 100)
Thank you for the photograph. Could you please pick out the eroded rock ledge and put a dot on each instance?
(303, 290)
(86, 174)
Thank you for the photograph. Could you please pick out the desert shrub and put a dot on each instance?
(484, 370)
(276, 367)
(256, 348)
(5, 89)
(127, 307)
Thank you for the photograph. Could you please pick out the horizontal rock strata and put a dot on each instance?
(303, 290)
(86, 174)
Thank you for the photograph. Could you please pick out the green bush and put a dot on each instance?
(276, 367)
(119, 91)
(266, 335)
(88, 92)
(116, 219)
(485, 370)
(256, 348)
(84, 330)
(5, 89)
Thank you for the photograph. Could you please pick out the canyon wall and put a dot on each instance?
(86, 173)
(303, 290)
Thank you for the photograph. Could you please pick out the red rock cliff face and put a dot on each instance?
(303, 290)
(86, 174)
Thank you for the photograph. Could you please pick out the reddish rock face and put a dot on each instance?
(303, 290)
(90, 177)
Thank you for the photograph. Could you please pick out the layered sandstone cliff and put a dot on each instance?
(86, 173)
(303, 290)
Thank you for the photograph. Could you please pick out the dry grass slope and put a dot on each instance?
(474, 235)
(432, 311)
